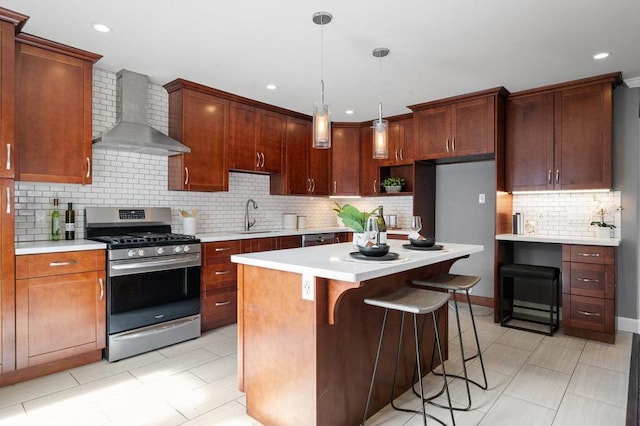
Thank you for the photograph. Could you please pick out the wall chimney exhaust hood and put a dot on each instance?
(132, 133)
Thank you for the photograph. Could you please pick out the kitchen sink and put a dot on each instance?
(257, 231)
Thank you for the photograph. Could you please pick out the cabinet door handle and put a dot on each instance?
(446, 145)
(223, 248)
(67, 263)
(375, 184)
(223, 272)
(313, 185)
(101, 288)
(401, 153)
(88, 167)
(257, 160)
(262, 159)
(453, 144)
(589, 314)
(226, 302)
(587, 280)
(8, 156)
(308, 184)
(557, 175)
(589, 254)
(549, 176)
(396, 154)
(8, 200)
(186, 175)
(335, 186)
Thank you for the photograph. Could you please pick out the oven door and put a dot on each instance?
(151, 291)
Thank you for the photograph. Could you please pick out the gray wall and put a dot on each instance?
(626, 162)
(461, 219)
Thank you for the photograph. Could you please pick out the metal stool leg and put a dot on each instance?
(375, 366)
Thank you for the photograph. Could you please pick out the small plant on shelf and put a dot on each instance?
(393, 184)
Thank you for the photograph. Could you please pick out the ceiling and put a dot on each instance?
(438, 48)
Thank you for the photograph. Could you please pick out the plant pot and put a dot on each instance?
(393, 188)
(603, 232)
(358, 237)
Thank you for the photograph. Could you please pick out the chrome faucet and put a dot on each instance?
(247, 223)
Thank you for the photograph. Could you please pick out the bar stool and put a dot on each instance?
(458, 283)
(417, 302)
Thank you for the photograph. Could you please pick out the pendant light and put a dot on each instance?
(380, 126)
(321, 113)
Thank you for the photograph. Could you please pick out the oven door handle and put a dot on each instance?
(155, 265)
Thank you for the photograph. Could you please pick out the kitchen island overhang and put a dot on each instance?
(310, 361)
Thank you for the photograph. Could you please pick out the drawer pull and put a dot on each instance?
(223, 272)
(589, 314)
(226, 302)
(223, 248)
(587, 280)
(70, 262)
(589, 254)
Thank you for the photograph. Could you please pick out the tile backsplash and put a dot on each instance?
(130, 179)
(568, 214)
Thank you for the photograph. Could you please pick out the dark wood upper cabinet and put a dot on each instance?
(369, 167)
(459, 127)
(53, 111)
(345, 153)
(257, 137)
(200, 121)
(401, 141)
(560, 136)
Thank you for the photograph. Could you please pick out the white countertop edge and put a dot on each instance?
(323, 261)
(227, 236)
(40, 247)
(556, 239)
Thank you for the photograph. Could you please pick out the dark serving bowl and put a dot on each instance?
(374, 251)
(426, 242)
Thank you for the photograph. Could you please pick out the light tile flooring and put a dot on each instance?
(533, 380)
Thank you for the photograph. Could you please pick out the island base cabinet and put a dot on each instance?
(309, 362)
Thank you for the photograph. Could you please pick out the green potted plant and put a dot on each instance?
(354, 219)
(393, 184)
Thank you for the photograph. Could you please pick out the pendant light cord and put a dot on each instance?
(380, 94)
(322, 61)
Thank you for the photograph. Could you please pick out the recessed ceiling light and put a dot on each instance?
(272, 86)
(349, 112)
(101, 28)
(601, 55)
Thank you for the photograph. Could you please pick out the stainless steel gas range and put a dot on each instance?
(153, 279)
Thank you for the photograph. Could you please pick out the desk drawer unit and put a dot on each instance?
(588, 287)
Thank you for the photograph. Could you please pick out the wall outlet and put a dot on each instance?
(41, 217)
(481, 198)
(308, 290)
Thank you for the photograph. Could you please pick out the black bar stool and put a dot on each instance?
(417, 302)
(459, 283)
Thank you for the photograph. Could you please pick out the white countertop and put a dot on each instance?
(39, 247)
(557, 239)
(333, 261)
(226, 236)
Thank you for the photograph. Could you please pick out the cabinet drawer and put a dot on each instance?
(218, 307)
(589, 279)
(589, 313)
(40, 265)
(218, 275)
(213, 252)
(588, 254)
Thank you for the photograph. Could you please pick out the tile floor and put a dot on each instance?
(533, 380)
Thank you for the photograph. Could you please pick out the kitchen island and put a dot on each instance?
(307, 341)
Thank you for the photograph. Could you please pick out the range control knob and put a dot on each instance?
(140, 252)
(131, 253)
(187, 249)
(177, 249)
(160, 250)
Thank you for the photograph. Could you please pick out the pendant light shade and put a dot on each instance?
(380, 126)
(321, 112)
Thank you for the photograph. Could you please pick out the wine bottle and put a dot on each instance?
(69, 223)
(382, 227)
(55, 221)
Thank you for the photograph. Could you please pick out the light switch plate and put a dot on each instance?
(308, 290)
(481, 198)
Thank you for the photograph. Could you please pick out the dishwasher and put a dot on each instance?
(318, 239)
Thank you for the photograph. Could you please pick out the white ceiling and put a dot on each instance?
(438, 48)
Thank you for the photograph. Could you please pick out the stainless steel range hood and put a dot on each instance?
(131, 132)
